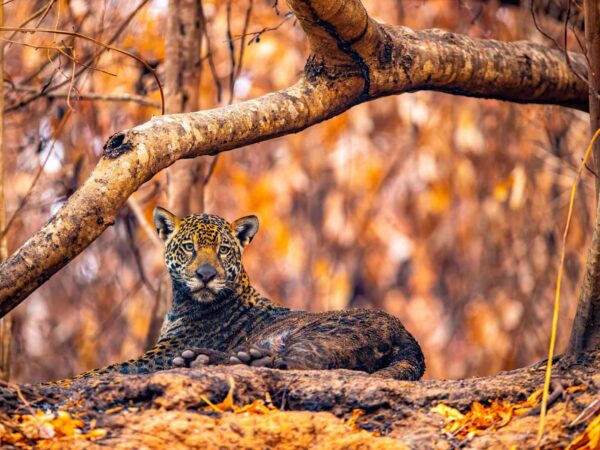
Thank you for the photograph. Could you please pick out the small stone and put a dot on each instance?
(234, 360)
(203, 359)
(188, 354)
(262, 362)
(255, 353)
(244, 357)
(200, 361)
(178, 361)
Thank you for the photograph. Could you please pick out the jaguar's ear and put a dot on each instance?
(166, 223)
(244, 229)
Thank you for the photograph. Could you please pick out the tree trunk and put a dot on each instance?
(185, 180)
(354, 59)
(5, 322)
(585, 333)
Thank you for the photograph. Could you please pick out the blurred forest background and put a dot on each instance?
(442, 210)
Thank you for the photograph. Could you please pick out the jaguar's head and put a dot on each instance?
(204, 252)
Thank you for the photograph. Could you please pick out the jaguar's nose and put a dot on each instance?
(206, 272)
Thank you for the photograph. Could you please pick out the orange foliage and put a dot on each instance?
(45, 429)
(589, 439)
(481, 418)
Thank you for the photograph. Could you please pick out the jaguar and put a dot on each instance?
(218, 317)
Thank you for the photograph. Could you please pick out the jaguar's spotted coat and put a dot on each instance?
(217, 317)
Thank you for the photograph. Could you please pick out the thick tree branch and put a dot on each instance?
(354, 60)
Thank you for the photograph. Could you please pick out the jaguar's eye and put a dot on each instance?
(223, 250)
(188, 246)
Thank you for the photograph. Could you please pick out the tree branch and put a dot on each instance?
(354, 59)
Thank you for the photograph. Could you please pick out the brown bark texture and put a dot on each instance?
(312, 408)
(585, 333)
(354, 59)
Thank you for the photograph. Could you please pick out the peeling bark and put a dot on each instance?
(149, 411)
(354, 60)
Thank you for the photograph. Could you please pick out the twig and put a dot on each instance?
(231, 53)
(71, 84)
(209, 55)
(68, 43)
(43, 10)
(588, 412)
(62, 52)
(25, 199)
(554, 41)
(211, 169)
(138, 257)
(139, 215)
(589, 169)
(257, 34)
(565, 42)
(243, 43)
(557, 392)
(94, 96)
(101, 44)
(46, 11)
(92, 58)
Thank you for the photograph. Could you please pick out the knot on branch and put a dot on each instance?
(344, 39)
(116, 146)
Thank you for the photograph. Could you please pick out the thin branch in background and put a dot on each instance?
(538, 27)
(209, 55)
(71, 85)
(211, 169)
(136, 209)
(555, 42)
(565, 44)
(92, 96)
(257, 34)
(66, 43)
(102, 44)
(581, 44)
(235, 71)
(62, 51)
(243, 43)
(90, 60)
(137, 256)
(43, 11)
(231, 53)
(46, 11)
(37, 176)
